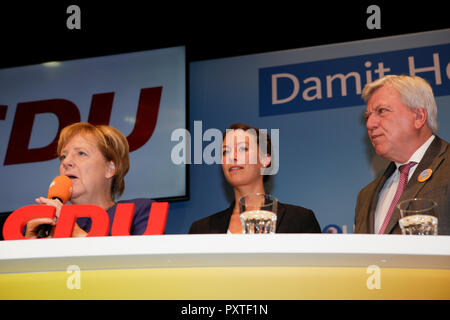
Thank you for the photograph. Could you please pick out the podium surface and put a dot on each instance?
(230, 267)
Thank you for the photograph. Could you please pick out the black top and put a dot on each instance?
(290, 219)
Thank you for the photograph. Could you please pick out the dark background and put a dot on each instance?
(36, 32)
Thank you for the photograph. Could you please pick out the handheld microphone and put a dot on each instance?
(60, 188)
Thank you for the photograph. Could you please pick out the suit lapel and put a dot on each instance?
(220, 222)
(431, 160)
(379, 183)
(280, 214)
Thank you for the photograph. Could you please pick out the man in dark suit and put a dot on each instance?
(401, 120)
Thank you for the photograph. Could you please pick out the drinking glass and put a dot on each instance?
(418, 217)
(258, 213)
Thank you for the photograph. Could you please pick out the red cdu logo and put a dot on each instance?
(18, 150)
(13, 227)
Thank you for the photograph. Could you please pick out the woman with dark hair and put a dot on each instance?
(246, 153)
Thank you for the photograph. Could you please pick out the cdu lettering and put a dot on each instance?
(67, 113)
(17, 220)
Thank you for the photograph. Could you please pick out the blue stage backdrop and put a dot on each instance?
(313, 96)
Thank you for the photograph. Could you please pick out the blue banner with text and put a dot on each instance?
(338, 83)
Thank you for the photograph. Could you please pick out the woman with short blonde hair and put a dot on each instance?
(112, 144)
(96, 159)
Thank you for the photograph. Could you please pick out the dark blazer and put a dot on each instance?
(290, 219)
(436, 158)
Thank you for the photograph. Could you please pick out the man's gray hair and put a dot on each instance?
(414, 91)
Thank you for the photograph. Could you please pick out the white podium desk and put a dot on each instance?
(231, 267)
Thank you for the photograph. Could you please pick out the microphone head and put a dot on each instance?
(61, 188)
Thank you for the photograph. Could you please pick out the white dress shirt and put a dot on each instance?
(389, 189)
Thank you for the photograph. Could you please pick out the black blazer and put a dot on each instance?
(290, 219)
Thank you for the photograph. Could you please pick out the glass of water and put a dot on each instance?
(418, 217)
(258, 213)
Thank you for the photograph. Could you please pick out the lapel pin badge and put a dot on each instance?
(424, 175)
